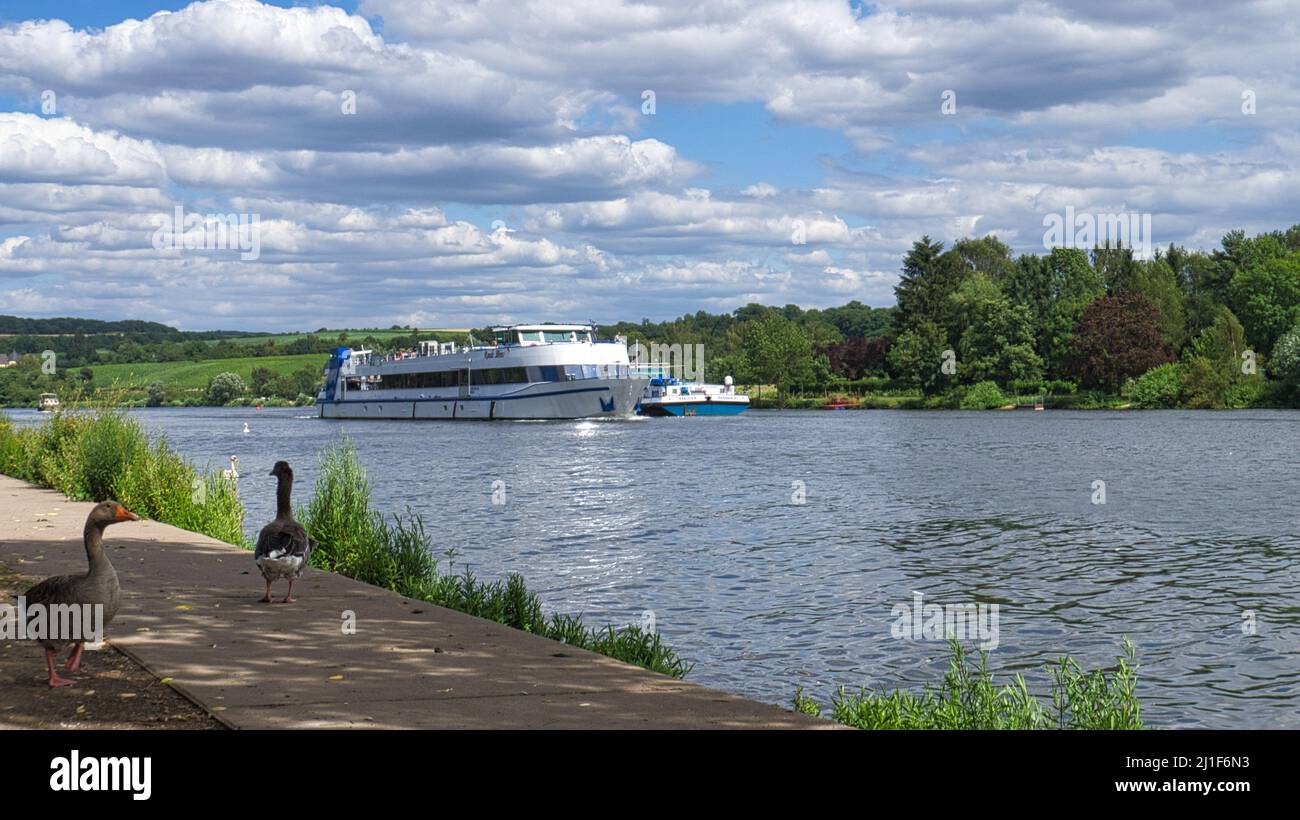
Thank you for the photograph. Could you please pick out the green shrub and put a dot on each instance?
(1285, 360)
(947, 400)
(224, 388)
(1160, 386)
(1247, 392)
(983, 396)
(91, 456)
(160, 484)
(967, 698)
(1092, 400)
(107, 446)
(1030, 386)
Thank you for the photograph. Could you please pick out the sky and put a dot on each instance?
(443, 163)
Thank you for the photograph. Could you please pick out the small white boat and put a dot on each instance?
(49, 403)
(667, 396)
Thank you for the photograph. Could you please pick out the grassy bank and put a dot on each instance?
(967, 698)
(98, 454)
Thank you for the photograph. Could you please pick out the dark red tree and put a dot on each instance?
(857, 358)
(1118, 337)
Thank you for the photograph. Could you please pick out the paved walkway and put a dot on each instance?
(190, 613)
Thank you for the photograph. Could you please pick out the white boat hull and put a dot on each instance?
(585, 398)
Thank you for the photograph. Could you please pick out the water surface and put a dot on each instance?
(696, 520)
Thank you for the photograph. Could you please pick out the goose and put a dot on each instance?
(283, 547)
(97, 588)
(232, 474)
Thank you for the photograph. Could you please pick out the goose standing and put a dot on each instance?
(283, 547)
(232, 474)
(97, 588)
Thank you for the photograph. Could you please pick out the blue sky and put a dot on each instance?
(498, 164)
(104, 13)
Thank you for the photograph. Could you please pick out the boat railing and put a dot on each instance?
(489, 351)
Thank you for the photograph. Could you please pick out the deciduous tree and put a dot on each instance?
(1117, 338)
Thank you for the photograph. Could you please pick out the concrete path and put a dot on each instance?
(190, 613)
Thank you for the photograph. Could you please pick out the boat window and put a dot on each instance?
(500, 375)
(550, 373)
(558, 335)
(589, 371)
(410, 381)
(530, 335)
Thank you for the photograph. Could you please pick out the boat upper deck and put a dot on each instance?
(517, 345)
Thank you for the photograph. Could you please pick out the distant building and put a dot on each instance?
(10, 360)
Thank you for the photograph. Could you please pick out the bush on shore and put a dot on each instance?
(93, 455)
(1159, 387)
(967, 698)
(983, 396)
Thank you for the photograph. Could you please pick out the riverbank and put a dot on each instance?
(190, 616)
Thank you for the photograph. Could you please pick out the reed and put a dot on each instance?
(93, 453)
(967, 698)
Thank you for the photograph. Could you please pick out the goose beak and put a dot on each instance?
(123, 514)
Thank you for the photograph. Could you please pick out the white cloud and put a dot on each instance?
(468, 112)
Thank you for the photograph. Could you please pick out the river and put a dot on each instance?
(773, 547)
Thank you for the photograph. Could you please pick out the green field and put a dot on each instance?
(196, 375)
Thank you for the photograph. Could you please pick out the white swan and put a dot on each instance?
(233, 473)
(246, 430)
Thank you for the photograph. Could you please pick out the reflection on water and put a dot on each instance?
(696, 521)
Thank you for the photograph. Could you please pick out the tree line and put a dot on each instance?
(1188, 328)
(1185, 328)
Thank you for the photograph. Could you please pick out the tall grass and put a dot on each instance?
(98, 453)
(967, 698)
(396, 552)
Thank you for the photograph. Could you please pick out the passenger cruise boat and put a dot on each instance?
(529, 372)
(667, 396)
(49, 403)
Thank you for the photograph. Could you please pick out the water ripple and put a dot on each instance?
(699, 521)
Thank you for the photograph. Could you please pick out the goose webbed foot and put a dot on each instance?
(288, 596)
(55, 680)
(266, 599)
(74, 659)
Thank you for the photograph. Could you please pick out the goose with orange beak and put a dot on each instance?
(93, 594)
